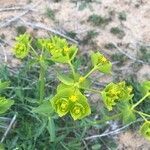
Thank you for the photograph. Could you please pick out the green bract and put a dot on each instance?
(145, 87)
(145, 130)
(114, 93)
(70, 100)
(61, 51)
(21, 47)
(5, 104)
(101, 62)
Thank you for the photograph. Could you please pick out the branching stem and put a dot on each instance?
(141, 100)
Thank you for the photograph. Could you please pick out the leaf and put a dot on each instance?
(145, 87)
(94, 58)
(4, 85)
(2, 147)
(65, 79)
(51, 129)
(62, 86)
(101, 62)
(40, 129)
(44, 109)
(128, 115)
(5, 104)
(145, 130)
(105, 68)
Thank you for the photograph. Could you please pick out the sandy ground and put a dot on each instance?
(69, 17)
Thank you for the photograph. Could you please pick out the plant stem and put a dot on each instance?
(90, 72)
(141, 114)
(41, 83)
(72, 68)
(91, 90)
(141, 100)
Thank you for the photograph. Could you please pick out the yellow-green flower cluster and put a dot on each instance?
(114, 93)
(21, 47)
(59, 49)
(101, 62)
(145, 130)
(71, 100)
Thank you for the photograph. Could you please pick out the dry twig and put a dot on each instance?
(9, 127)
(111, 132)
(4, 52)
(127, 55)
(15, 8)
(7, 23)
(44, 27)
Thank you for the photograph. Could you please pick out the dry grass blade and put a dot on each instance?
(44, 27)
(7, 23)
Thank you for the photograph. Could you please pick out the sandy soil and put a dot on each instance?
(69, 17)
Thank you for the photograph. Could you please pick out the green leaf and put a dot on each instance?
(128, 115)
(62, 86)
(80, 110)
(5, 104)
(45, 109)
(145, 130)
(145, 87)
(105, 68)
(51, 129)
(65, 79)
(73, 101)
(94, 58)
(2, 147)
(101, 62)
(4, 85)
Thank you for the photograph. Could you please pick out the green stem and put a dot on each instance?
(141, 114)
(91, 90)
(90, 72)
(36, 54)
(141, 100)
(41, 83)
(72, 68)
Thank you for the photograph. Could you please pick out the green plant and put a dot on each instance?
(20, 30)
(118, 32)
(122, 16)
(50, 13)
(91, 34)
(5, 103)
(47, 110)
(98, 20)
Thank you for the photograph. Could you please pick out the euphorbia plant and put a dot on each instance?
(70, 98)
(5, 103)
